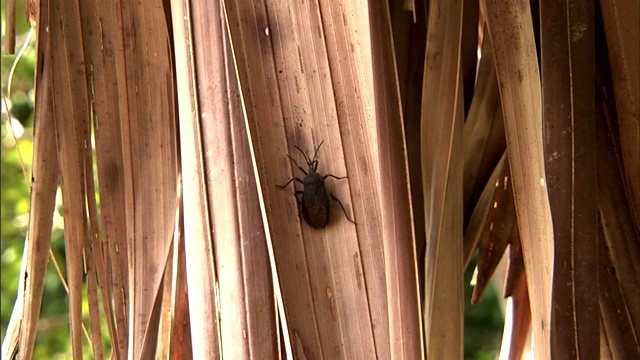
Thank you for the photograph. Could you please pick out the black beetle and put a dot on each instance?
(316, 200)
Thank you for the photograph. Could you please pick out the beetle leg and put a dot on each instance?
(335, 177)
(299, 167)
(295, 195)
(342, 206)
(289, 182)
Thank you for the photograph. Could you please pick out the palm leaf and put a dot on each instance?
(171, 125)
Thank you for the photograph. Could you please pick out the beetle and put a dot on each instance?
(316, 200)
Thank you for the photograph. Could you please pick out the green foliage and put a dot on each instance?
(15, 209)
(22, 108)
(22, 25)
(483, 323)
(53, 329)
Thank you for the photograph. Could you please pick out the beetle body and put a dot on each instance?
(316, 201)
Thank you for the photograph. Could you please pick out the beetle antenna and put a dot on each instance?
(315, 156)
(306, 158)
